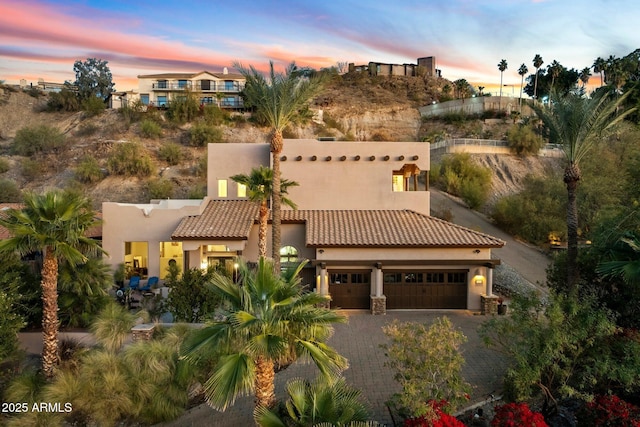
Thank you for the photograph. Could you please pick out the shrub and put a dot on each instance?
(150, 129)
(523, 140)
(132, 112)
(10, 325)
(4, 165)
(428, 366)
(202, 134)
(9, 191)
(460, 176)
(183, 108)
(38, 139)
(214, 115)
(201, 167)
(32, 169)
(380, 136)
(609, 411)
(129, 160)
(65, 100)
(88, 170)
(160, 189)
(171, 153)
(191, 299)
(517, 414)
(197, 192)
(86, 129)
(93, 106)
(437, 419)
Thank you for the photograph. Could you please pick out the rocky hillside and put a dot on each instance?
(355, 108)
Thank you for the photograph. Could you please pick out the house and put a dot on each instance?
(425, 66)
(362, 222)
(222, 89)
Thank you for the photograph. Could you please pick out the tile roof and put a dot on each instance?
(221, 219)
(348, 228)
(188, 76)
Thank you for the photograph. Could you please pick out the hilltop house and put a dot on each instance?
(222, 89)
(363, 223)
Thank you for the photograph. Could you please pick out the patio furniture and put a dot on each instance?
(134, 283)
(153, 281)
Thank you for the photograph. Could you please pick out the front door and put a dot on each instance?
(350, 289)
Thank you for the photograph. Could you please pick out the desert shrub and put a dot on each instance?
(88, 170)
(201, 167)
(32, 169)
(132, 112)
(184, 108)
(4, 165)
(517, 414)
(93, 106)
(150, 129)
(202, 134)
(454, 118)
(332, 122)
(160, 189)
(428, 366)
(9, 191)
(191, 299)
(10, 324)
(38, 139)
(197, 192)
(86, 129)
(171, 153)
(34, 92)
(128, 159)
(380, 136)
(538, 210)
(65, 100)
(523, 140)
(214, 115)
(460, 176)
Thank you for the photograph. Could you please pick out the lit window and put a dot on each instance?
(288, 254)
(242, 190)
(398, 183)
(222, 188)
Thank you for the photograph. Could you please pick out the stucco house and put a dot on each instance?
(222, 89)
(362, 221)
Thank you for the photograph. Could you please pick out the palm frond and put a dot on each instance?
(233, 377)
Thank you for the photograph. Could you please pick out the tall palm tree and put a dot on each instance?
(599, 66)
(585, 75)
(577, 124)
(523, 70)
(554, 69)
(259, 184)
(480, 89)
(278, 100)
(537, 63)
(269, 320)
(502, 66)
(55, 223)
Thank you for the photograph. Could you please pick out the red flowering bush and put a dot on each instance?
(436, 417)
(610, 411)
(517, 415)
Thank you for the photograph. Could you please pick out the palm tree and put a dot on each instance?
(259, 184)
(577, 124)
(480, 89)
(554, 69)
(55, 223)
(537, 63)
(502, 66)
(585, 75)
(625, 262)
(523, 70)
(269, 320)
(599, 66)
(462, 86)
(278, 101)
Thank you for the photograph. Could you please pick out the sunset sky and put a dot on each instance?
(42, 39)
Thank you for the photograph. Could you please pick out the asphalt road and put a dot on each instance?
(528, 260)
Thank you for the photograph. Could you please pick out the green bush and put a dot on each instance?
(150, 129)
(184, 108)
(160, 189)
(9, 191)
(32, 169)
(38, 139)
(86, 129)
(171, 153)
(460, 176)
(93, 106)
(214, 115)
(197, 192)
(129, 159)
(4, 165)
(191, 299)
(201, 167)
(132, 112)
(65, 100)
(88, 170)
(523, 140)
(202, 134)
(10, 325)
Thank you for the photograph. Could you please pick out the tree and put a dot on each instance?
(522, 71)
(502, 66)
(259, 184)
(599, 66)
(93, 79)
(278, 102)
(625, 261)
(268, 320)
(576, 124)
(537, 63)
(554, 70)
(480, 89)
(55, 223)
(585, 74)
(462, 88)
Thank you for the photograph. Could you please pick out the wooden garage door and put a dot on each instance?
(425, 289)
(350, 289)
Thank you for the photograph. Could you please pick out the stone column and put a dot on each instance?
(378, 300)
(489, 281)
(323, 287)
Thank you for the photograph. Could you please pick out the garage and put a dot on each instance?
(350, 289)
(425, 289)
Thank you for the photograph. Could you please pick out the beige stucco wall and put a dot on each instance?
(329, 184)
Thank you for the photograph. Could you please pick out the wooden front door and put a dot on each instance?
(350, 289)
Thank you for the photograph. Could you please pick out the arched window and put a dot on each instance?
(288, 254)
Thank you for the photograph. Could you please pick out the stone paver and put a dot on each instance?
(359, 341)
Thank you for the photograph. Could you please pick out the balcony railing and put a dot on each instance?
(199, 86)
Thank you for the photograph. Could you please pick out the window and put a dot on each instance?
(338, 278)
(229, 101)
(162, 101)
(136, 255)
(222, 188)
(144, 98)
(170, 255)
(182, 84)
(206, 100)
(288, 254)
(229, 85)
(398, 182)
(242, 190)
(162, 84)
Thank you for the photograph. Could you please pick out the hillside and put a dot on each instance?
(360, 109)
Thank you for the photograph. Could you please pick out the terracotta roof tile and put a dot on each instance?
(221, 219)
(385, 228)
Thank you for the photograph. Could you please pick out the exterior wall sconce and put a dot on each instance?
(314, 158)
(478, 279)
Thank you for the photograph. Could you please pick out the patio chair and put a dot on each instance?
(150, 283)
(134, 283)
